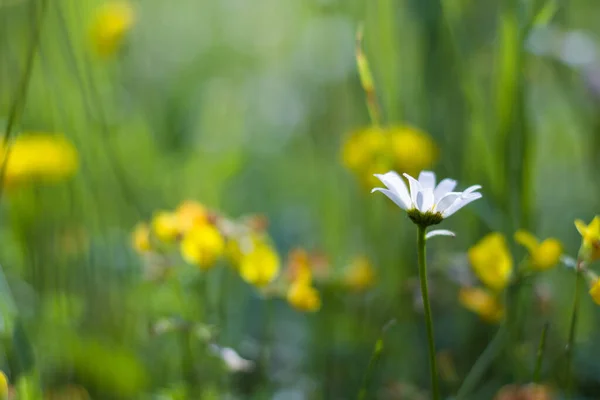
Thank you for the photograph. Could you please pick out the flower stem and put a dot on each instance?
(483, 362)
(540, 354)
(427, 310)
(572, 331)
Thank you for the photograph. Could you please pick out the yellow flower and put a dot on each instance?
(590, 245)
(3, 386)
(141, 238)
(39, 156)
(413, 150)
(110, 24)
(482, 303)
(190, 213)
(362, 147)
(595, 291)
(543, 255)
(202, 245)
(165, 225)
(491, 261)
(302, 296)
(260, 265)
(360, 274)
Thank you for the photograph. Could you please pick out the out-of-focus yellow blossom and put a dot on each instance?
(590, 245)
(260, 264)
(491, 261)
(361, 148)
(379, 149)
(202, 245)
(595, 291)
(140, 238)
(110, 24)
(360, 274)
(165, 225)
(39, 156)
(481, 302)
(303, 296)
(526, 392)
(544, 255)
(413, 149)
(189, 214)
(299, 265)
(3, 386)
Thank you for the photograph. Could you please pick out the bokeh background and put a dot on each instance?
(251, 108)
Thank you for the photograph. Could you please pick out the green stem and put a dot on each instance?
(483, 362)
(540, 354)
(427, 308)
(572, 331)
(377, 350)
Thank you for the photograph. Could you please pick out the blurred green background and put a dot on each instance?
(245, 106)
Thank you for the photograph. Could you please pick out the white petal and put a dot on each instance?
(460, 203)
(427, 180)
(425, 200)
(439, 232)
(396, 184)
(443, 188)
(471, 189)
(446, 201)
(394, 197)
(415, 188)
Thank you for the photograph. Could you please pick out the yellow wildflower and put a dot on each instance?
(590, 245)
(3, 386)
(202, 245)
(413, 149)
(543, 255)
(39, 156)
(595, 291)
(362, 147)
(299, 265)
(190, 213)
(482, 303)
(110, 24)
(140, 238)
(165, 225)
(260, 265)
(379, 149)
(491, 261)
(360, 274)
(303, 296)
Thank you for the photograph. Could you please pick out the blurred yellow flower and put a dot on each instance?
(190, 213)
(482, 303)
(359, 275)
(3, 386)
(140, 238)
(299, 265)
(165, 225)
(109, 26)
(543, 255)
(377, 149)
(303, 296)
(491, 261)
(202, 245)
(259, 266)
(413, 149)
(363, 146)
(41, 156)
(595, 291)
(590, 245)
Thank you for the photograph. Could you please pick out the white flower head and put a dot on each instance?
(426, 203)
(232, 359)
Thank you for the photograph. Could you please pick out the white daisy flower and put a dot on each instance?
(426, 203)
